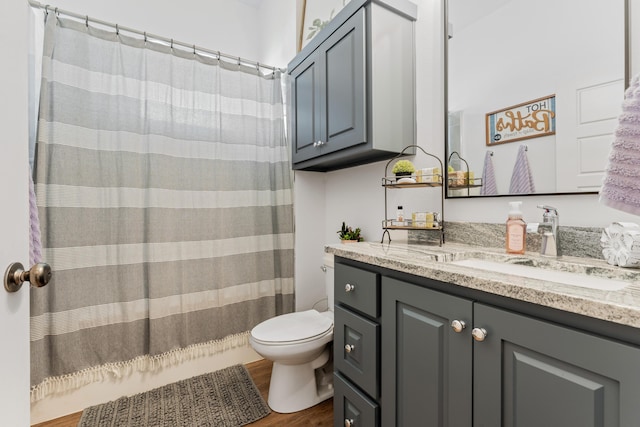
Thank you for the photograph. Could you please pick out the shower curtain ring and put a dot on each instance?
(171, 44)
(117, 30)
(258, 66)
(145, 37)
(86, 20)
(194, 49)
(46, 9)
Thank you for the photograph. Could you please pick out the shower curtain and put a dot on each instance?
(163, 187)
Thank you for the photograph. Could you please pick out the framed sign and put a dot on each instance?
(523, 121)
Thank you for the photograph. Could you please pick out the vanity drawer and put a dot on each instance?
(357, 289)
(352, 407)
(355, 351)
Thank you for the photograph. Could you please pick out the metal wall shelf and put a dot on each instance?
(422, 181)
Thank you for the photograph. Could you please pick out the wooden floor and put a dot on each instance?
(318, 416)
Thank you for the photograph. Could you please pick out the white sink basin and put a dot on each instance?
(555, 276)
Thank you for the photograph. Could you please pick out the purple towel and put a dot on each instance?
(35, 245)
(522, 179)
(489, 187)
(621, 184)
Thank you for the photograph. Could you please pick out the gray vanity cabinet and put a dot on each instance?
(426, 353)
(352, 88)
(426, 365)
(531, 373)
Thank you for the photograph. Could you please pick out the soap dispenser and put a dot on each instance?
(516, 230)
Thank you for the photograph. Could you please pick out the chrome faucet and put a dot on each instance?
(550, 230)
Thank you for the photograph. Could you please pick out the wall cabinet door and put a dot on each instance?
(329, 94)
(426, 365)
(530, 373)
(306, 80)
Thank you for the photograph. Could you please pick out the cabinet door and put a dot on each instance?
(306, 108)
(355, 350)
(426, 366)
(530, 373)
(344, 89)
(352, 407)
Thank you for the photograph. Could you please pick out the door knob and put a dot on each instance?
(349, 348)
(458, 325)
(479, 334)
(349, 287)
(38, 275)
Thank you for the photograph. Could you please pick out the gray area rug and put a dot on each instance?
(225, 398)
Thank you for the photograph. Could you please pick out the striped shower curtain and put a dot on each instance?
(164, 191)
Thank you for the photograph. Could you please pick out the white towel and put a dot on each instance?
(521, 179)
(621, 184)
(489, 187)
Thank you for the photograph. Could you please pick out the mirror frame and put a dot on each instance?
(445, 38)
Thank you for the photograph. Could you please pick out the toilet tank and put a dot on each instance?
(327, 263)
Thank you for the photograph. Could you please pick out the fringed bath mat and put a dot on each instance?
(225, 398)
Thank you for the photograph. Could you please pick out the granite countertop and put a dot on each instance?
(438, 263)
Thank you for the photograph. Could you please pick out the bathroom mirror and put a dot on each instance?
(532, 84)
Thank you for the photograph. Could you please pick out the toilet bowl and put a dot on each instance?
(299, 344)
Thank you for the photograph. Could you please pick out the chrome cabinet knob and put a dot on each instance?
(458, 325)
(479, 334)
(348, 422)
(15, 275)
(349, 348)
(349, 287)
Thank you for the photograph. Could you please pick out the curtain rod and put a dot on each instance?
(171, 42)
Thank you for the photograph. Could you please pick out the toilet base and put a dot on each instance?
(297, 387)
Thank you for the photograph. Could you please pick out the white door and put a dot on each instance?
(14, 246)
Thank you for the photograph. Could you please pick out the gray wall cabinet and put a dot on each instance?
(353, 88)
(456, 358)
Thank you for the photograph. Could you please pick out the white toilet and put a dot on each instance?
(299, 344)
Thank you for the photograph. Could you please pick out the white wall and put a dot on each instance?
(255, 30)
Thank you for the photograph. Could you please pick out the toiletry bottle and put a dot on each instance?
(400, 216)
(516, 230)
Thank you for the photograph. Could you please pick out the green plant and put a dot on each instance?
(403, 166)
(348, 233)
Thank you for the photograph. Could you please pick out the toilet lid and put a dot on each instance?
(292, 327)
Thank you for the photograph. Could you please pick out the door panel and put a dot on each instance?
(14, 307)
(533, 373)
(345, 91)
(427, 374)
(305, 97)
(535, 381)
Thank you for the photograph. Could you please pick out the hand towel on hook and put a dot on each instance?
(521, 178)
(489, 187)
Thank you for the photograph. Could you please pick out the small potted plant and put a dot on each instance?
(403, 168)
(349, 235)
